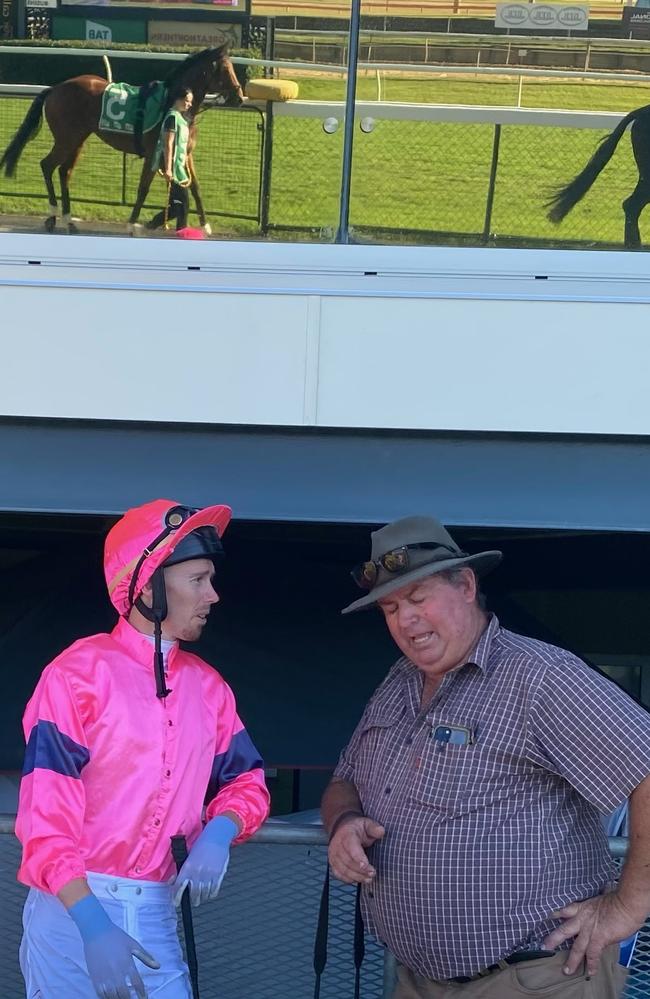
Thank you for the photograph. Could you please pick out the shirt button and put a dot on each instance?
(386, 790)
(156, 822)
(170, 723)
(168, 773)
(138, 891)
(137, 870)
(113, 888)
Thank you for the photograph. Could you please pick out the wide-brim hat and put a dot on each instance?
(422, 562)
(133, 535)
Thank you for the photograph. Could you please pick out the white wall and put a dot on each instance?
(285, 334)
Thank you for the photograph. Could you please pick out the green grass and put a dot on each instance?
(420, 176)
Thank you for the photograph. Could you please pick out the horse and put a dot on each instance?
(73, 108)
(566, 197)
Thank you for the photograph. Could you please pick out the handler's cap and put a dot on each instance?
(147, 537)
(408, 550)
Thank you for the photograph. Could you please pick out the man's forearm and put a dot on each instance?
(634, 885)
(340, 797)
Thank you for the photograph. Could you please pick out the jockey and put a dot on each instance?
(121, 757)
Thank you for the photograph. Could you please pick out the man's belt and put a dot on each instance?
(516, 958)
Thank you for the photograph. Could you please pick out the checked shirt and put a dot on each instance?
(485, 840)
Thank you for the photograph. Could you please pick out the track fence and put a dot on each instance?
(423, 173)
(228, 158)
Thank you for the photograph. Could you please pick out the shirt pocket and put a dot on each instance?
(446, 775)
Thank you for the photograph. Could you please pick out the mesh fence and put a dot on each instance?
(429, 181)
(422, 181)
(271, 896)
(430, 177)
(255, 941)
(228, 159)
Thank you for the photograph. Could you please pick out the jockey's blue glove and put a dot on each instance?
(109, 952)
(207, 862)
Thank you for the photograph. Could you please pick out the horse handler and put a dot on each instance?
(170, 159)
(120, 757)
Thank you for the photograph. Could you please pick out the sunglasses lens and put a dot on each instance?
(395, 561)
(365, 575)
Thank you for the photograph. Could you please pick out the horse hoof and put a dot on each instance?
(207, 229)
(50, 223)
(72, 228)
(135, 228)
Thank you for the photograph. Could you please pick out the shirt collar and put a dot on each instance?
(481, 654)
(137, 645)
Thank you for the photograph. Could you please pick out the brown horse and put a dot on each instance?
(73, 108)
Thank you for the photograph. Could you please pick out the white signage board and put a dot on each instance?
(41, 3)
(98, 32)
(542, 16)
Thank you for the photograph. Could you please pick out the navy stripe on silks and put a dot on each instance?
(240, 757)
(50, 749)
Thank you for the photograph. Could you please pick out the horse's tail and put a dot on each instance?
(27, 131)
(567, 197)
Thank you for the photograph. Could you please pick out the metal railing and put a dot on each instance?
(267, 173)
(257, 939)
(274, 882)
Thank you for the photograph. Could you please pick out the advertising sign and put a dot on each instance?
(542, 16)
(98, 32)
(636, 21)
(225, 5)
(68, 27)
(201, 34)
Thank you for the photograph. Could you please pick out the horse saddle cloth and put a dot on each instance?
(122, 103)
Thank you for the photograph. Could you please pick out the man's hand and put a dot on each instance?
(594, 924)
(347, 848)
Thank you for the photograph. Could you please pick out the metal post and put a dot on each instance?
(21, 19)
(521, 87)
(267, 163)
(343, 235)
(492, 183)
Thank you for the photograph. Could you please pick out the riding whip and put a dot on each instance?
(179, 853)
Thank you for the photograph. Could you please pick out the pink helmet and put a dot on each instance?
(144, 538)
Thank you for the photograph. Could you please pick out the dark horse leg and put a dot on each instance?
(640, 197)
(196, 194)
(65, 169)
(49, 164)
(146, 177)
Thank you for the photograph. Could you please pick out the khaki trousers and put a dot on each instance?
(530, 978)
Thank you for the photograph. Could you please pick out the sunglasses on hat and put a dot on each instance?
(395, 561)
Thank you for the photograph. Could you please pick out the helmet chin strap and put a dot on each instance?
(157, 614)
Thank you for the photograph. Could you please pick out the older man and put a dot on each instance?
(468, 800)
